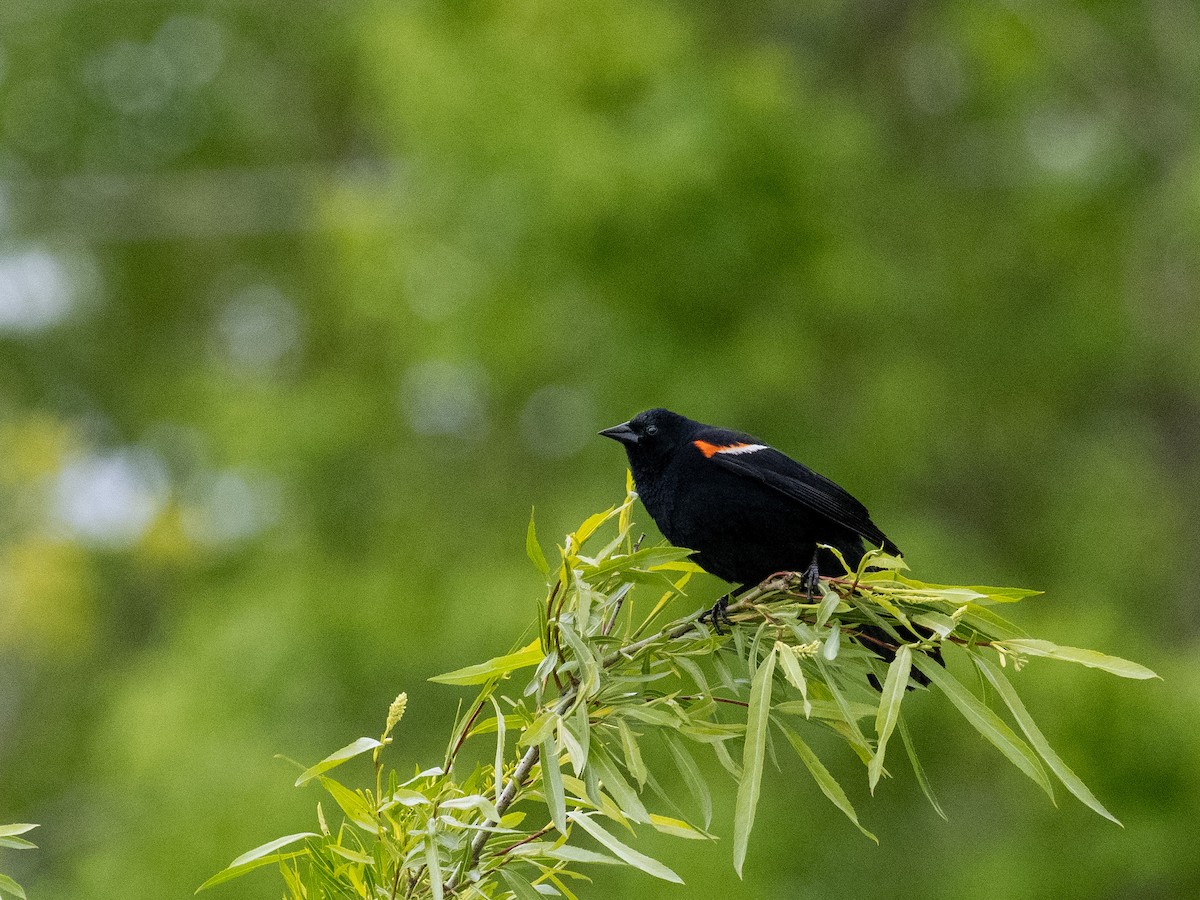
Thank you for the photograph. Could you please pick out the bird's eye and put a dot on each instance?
(651, 429)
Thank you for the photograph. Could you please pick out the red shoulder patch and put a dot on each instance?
(709, 449)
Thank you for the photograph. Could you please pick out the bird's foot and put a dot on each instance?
(718, 614)
(811, 582)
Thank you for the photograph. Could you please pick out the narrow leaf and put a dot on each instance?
(10, 830)
(1008, 694)
(889, 709)
(522, 889)
(695, 782)
(8, 886)
(633, 754)
(828, 604)
(357, 809)
(829, 649)
(434, 864)
(590, 524)
(624, 852)
(553, 786)
(232, 872)
(269, 847)
(1090, 658)
(986, 722)
(529, 655)
(919, 770)
(678, 828)
(626, 797)
(757, 717)
(825, 781)
(498, 767)
(795, 674)
(566, 852)
(333, 760)
(534, 550)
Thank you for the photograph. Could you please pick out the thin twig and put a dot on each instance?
(463, 735)
(715, 700)
(533, 837)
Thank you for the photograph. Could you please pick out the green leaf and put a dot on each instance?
(589, 526)
(858, 741)
(829, 649)
(533, 549)
(256, 858)
(939, 623)
(633, 754)
(357, 809)
(989, 623)
(919, 770)
(347, 853)
(589, 666)
(986, 722)
(565, 852)
(828, 604)
(521, 888)
(553, 786)
(695, 782)
(16, 843)
(890, 698)
(498, 768)
(473, 801)
(623, 852)
(539, 729)
(529, 655)
(10, 830)
(825, 781)
(333, 760)
(625, 796)
(1090, 658)
(678, 828)
(1008, 694)
(794, 674)
(434, 864)
(8, 886)
(757, 717)
(269, 847)
(576, 752)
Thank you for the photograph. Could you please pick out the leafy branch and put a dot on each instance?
(10, 838)
(566, 762)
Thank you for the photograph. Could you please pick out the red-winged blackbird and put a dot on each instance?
(747, 510)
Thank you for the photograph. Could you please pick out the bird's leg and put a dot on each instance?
(812, 577)
(717, 614)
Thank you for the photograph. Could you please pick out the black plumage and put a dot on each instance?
(746, 509)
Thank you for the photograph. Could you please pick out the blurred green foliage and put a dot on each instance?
(303, 305)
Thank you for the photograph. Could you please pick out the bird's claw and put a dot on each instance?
(811, 582)
(718, 614)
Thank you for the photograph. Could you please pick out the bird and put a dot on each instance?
(745, 509)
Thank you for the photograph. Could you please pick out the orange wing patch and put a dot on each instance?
(709, 449)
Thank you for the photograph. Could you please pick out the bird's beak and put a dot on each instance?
(622, 433)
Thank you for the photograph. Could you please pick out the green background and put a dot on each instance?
(303, 305)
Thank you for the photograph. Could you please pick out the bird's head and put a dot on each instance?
(653, 434)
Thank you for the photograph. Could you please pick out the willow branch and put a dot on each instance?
(520, 775)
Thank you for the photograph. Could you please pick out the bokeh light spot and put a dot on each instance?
(111, 499)
(442, 397)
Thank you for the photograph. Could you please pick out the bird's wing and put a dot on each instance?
(801, 484)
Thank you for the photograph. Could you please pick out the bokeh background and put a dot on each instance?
(303, 305)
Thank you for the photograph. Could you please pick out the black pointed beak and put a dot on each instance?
(622, 433)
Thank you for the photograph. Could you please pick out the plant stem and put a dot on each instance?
(520, 774)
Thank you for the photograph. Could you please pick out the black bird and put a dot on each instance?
(747, 510)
